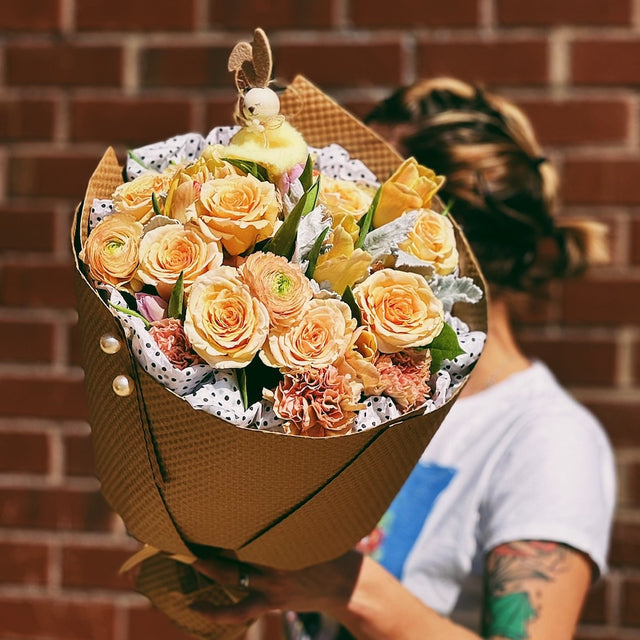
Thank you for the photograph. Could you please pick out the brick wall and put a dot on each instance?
(76, 75)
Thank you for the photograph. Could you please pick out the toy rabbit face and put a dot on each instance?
(260, 102)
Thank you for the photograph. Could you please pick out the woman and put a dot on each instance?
(504, 523)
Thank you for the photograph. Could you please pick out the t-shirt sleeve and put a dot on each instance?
(556, 482)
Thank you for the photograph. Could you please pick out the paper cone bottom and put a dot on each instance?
(172, 586)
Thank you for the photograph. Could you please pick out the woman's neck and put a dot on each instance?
(501, 356)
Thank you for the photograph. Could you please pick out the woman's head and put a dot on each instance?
(503, 189)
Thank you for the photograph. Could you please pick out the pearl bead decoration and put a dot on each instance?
(123, 386)
(110, 344)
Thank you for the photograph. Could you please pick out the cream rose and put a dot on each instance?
(411, 187)
(225, 324)
(400, 309)
(433, 240)
(344, 198)
(322, 335)
(168, 250)
(242, 210)
(135, 197)
(111, 250)
(279, 285)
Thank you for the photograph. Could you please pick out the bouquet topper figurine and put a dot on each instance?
(275, 319)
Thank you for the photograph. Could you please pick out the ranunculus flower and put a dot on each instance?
(405, 376)
(111, 250)
(151, 307)
(172, 341)
(433, 240)
(342, 265)
(279, 285)
(224, 322)
(358, 361)
(321, 335)
(411, 187)
(135, 197)
(400, 309)
(344, 198)
(242, 210)
(168, 250)
(317, 402)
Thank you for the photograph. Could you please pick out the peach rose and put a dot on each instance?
(225, 324)
(111, 250)
(317, 402)
(242, 210)
(400, 309)
(321, 335)
(344, 198)
(135, 197)
(168, 250)
(358, 361)
(279, 285)
(433, 240)
(411, 187)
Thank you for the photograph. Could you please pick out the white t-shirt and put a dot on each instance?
(520, 460)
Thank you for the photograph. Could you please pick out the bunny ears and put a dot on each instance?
(251, 62)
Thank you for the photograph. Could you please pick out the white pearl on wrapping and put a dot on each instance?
(260, 102)
(123, 386)
(110, 344)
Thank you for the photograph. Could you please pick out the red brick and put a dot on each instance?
(621, 421)
(185, 67)
(498, 62)
(64, 65)
(574, 361)
(630, 599)
(150, 623)
(633, 484)
(75, 346)
(58, 175)
(130, 122)
(595, 606)
(30, 15)
(409, 14)
(342, 64)
(276, 14)
(24, 563)
(26, 341)
(26, 119)
(636, 362)
(89, 567)
(635, 241)
(611, 62)
(603, 301)
(135, 15)
(79, 459)
(41, 285)
(42, 397)
(578, 121)
(24, 453)
(552, 12)
(219, 113)
(61, 509)
(26, 229)
(601, 181)
(25, 619)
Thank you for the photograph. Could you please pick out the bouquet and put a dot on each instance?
(247, 296)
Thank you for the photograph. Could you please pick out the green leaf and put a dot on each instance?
(137, 160)
(242, 386)
(306, 177)
(365, 222)
(130, 312)
(250, 167)
(445, 346)
(315, 253)
(176, 301)
(447, 209)
(156, 204)
(284, 241)
(347, 297)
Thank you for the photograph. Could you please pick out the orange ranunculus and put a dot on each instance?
(411, 187)
(400, 309)
(225, 324)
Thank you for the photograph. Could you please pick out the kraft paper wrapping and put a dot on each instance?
(182, 479)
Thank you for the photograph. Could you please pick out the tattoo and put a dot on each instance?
(509, 599)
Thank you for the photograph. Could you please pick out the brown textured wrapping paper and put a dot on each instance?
(181, 478)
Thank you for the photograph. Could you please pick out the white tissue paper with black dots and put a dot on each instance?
(100, 209)
(335, 162)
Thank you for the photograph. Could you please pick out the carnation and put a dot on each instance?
(172, 341)
(404, 377)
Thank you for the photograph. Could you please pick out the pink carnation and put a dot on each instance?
(317, 402)
(172, 341)
(405, 376)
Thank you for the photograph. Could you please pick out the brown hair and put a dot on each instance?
(502, 188)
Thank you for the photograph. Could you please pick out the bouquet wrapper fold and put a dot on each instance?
(183, 480)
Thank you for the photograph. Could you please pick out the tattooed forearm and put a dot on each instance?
(510, 594)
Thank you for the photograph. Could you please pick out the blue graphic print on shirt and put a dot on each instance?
(402, 523)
